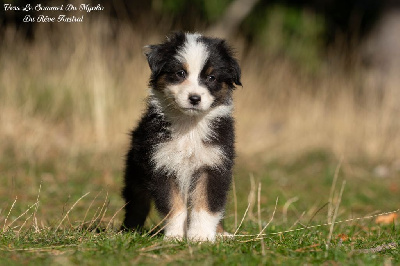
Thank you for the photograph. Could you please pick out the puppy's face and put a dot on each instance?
(192, 73)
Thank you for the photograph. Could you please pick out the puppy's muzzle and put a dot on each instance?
(194, 99)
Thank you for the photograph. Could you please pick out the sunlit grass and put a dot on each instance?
(84, 229)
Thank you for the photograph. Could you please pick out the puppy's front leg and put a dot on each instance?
(203, 225)
(207, 202)
(177, 216)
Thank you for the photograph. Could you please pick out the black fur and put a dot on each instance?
(161, 56)
(142, 182)
(222, 60)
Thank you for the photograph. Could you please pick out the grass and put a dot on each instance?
(73, 227)
(72, 247)
(68, 100)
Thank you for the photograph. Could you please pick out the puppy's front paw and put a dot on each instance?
(174, 229)
(203, 226)
(201, 235)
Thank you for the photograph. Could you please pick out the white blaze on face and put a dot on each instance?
(193, 55)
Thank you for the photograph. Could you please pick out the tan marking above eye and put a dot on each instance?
(209, 70)
(185, 67)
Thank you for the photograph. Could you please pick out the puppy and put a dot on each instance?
(182, 152)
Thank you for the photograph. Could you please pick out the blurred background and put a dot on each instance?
(320, 78)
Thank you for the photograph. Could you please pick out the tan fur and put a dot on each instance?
(177, 201)
(199, 199)
(224, 92)
(209, 70)
(161, 82)
(176, 224)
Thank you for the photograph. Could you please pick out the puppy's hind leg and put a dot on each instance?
(137, 207)
(136, 195)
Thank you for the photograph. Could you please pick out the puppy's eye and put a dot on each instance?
(210, 78)
(181, 74)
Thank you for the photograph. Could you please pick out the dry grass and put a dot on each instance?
(83, 88)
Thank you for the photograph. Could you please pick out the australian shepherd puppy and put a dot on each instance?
(182, 152)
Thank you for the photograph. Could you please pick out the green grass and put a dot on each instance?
(308, 246)
(68, 227)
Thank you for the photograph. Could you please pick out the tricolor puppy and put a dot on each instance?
(182, 151)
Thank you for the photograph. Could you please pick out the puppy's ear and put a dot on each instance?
(234, 68)
(154, 57)
(158, 54)
(236, 72)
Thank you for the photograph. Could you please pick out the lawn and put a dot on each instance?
(279, 214)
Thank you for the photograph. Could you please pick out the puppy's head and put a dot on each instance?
(192, 74)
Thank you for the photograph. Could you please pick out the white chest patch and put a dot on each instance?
(186, 152)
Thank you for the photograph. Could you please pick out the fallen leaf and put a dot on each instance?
(343, 237)
(386, 219)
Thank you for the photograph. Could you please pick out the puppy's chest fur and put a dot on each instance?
(188, 149)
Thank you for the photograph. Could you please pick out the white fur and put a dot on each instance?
(203, 225)
(194, 55)
(175, 226)
(186, 152)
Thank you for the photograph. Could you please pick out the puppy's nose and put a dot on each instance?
(194, 99)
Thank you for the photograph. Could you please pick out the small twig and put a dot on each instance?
(335, 215)
(259, 217)
(23, 224)
(320, 225)
(102, 217)
(165, 225)
(235, 201)
(5, 220)
(237, 229)
(87, 211)
(333, 186)
(35, 225)
(251, 198)
(21, 215)
(102, 212)
(115, 214)
(310, 220)
(104, 207)
(272, 217)
(286, 207)
(97, 215)
(297, 221)
(76, 202)
(156, 226)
